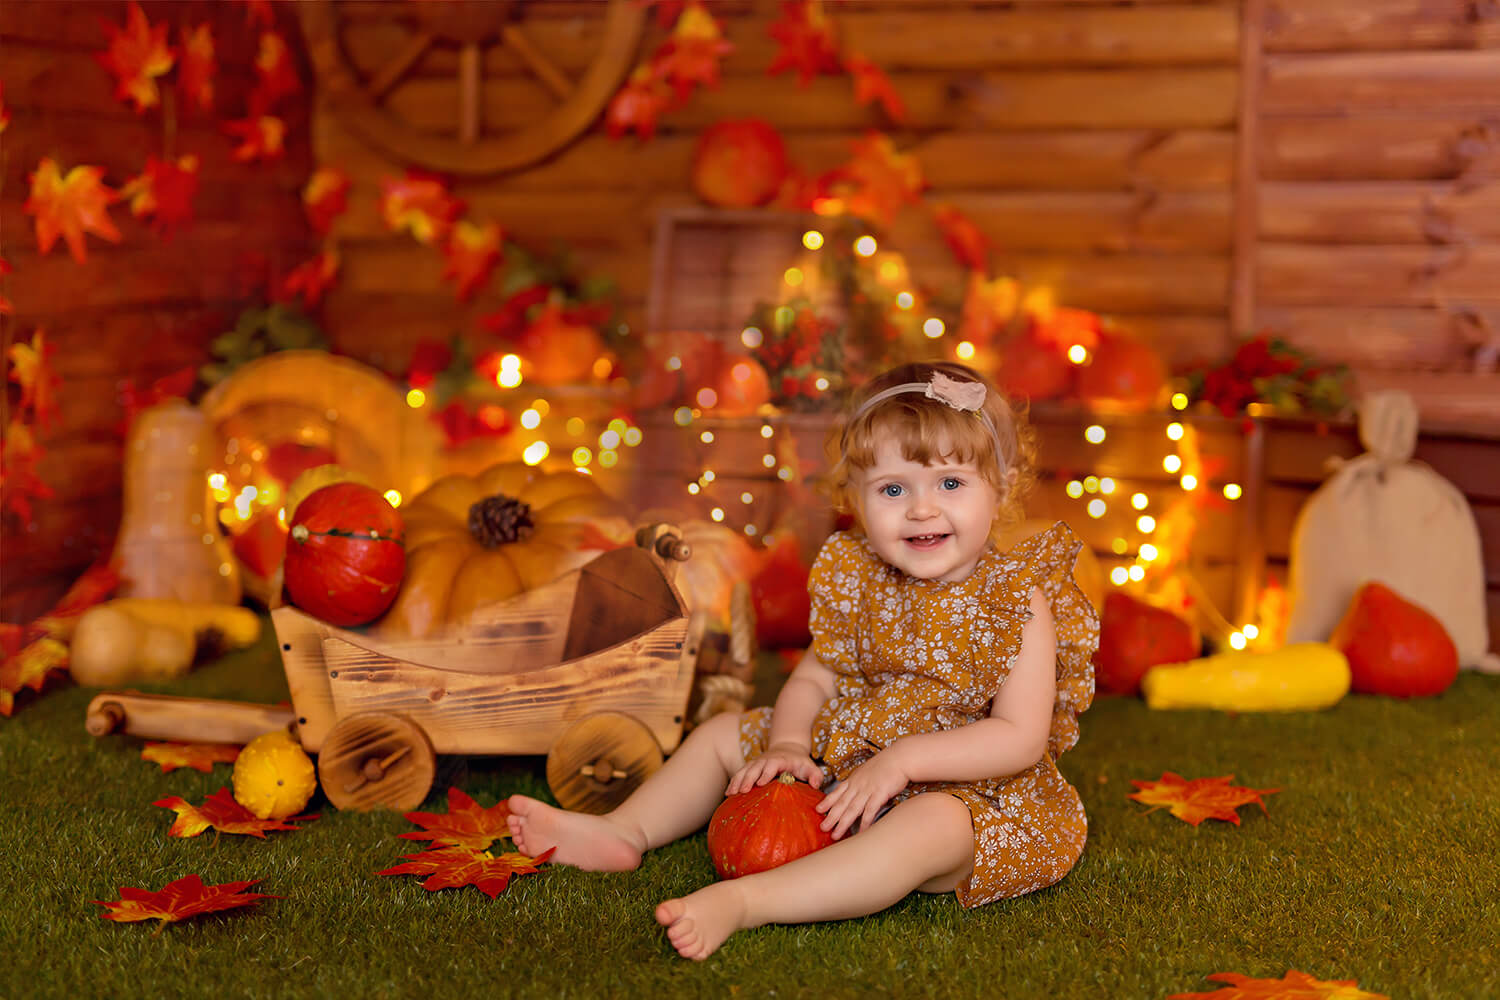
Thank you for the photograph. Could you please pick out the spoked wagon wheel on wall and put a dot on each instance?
(469, 86)
(376, 760)
(599, 760)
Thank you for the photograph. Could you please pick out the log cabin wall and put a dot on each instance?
(142, 308)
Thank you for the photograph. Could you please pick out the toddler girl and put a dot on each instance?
(944, 679)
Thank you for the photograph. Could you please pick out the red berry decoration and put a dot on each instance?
(1134, 637)
(345, 554)
(1394, 647)
(766, 827)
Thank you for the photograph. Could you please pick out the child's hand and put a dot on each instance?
(861, 797)
(779, 758)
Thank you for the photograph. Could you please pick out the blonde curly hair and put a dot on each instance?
(929, 430)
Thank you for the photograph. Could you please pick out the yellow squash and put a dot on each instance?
(1301, 677)
(474, 541)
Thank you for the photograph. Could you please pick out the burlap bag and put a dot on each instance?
(1384, 517)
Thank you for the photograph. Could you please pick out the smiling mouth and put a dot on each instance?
(925, 541)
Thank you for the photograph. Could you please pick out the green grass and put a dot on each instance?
(1377, 862)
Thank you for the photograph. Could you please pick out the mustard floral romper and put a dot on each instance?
(915, 656)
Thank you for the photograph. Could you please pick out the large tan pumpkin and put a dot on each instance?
(474, 541)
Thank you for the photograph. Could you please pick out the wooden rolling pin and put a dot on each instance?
(187, 720)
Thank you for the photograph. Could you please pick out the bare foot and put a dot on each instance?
(698, 923)
(593, 843)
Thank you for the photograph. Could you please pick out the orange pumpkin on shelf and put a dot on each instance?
(740, 386)
(739, 164)
(1034, 368)
(475, 541)
(1122, 372)
(555, 351)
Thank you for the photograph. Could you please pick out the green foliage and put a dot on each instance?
(261, 330)
(1375, 863)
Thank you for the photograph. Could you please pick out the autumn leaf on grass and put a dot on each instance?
(470, 255)
(198, 756)
(261, 138)
(325, 197)
(198, 67)
(1293, 986)
(69, 206)
(179, 900)
(465, 824)
(1200, 799)
(221, 812)
(29, 668)
(164, 193)
(137, 55)
(456, 867)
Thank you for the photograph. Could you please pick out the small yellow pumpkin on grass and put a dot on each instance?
(273, 776)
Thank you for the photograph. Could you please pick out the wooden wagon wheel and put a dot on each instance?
(376, 760)
(600, 760)
(361, 80)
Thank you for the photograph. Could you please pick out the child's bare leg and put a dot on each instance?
(672, 803)
(926, 843)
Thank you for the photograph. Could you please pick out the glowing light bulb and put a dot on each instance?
(1190, 483)
(674, 363)
(633, 436)
(708, 475)
(768, 460)
(1093, 434)
(575, 426)
(510, 361)
(1179, 401)
(682, 416)
(1075, 489)
(707, 398)
(1119, 546)
(933, 327)
(1096, 508)
(1137, 574)
(747, 497)
(693, 488)
(793, 276)
(784, 474)
(1119, 575)
(1237, 640)
(508, 378)
(865, 246)
(905, 300)
(1232, 491)
(964, 350)
(717, 513)
(1174, 431)
(750, 530)
(1078, 354)
(812, 239)
(1251, 632)
(1148, 552)
(820, 383)
(534, 453)
(1139, 501)
(530, 419)
(609, 439)
(415, 398)
(751, 337)
(1145, 524)
(608, 458)
(707, 437)
(582, 456)
(1091, 484)
(541, 406)
(393, 497)
(766, 430)
(1171, 463)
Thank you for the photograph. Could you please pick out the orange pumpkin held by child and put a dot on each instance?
(345, 554)
(766, 827)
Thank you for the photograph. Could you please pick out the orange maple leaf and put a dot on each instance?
(420, 205)
(198, 756)
(29, 668)
(1292, 986)
(136, 56)
(179, 900)
(879, 180)
(1200, 799)
(94, 585)
(164, 192)
(637, 105)
(971, 248)
(471, 254)
(69, 206)
(198, 67)
(465, 824)
(872, 85)
(693, 52)
(806, 41)
(31, 369)
(261, 138)
(456, 867)
(275, 75)
(222, 813)
(312, 278)
(325, 197)
(19, 481)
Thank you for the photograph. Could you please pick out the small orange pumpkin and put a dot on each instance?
(475, 541)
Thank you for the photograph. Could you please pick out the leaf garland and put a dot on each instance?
(1199, 799)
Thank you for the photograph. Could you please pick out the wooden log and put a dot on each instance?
(1298, 452)
(1378, 212)
(1297, 275)
(1344, 25)
(1247, 188)
(1457, 397)
(1388, 146)
(1348, 83)
(1366, 336)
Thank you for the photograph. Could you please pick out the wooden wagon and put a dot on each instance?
(594, 669)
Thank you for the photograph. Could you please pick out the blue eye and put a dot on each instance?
(891, 490)
(951, 483)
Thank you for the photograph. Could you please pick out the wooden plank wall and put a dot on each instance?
(145, 307)
(1377, 235)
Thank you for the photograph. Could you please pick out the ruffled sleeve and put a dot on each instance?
(1047, 560)
(834, 590)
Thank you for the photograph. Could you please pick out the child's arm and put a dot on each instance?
(1013, 738)
(790, 742)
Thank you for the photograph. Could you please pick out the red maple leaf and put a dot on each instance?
(136, 56)
(19, 481)
(638, 104)
(197, 67)
(325, 198)
(31, 369)
(198, 756)
(1292, 986)
(261, 138)
(134, 399)
(419, 204)
(312, 278)
(69, 206)
(806, 40)
(30, 667)
(971, 248)
(164, 192)
(1200, 799)
(95, 584)
(456, 867)
(511, 319)
(872, 85)
(470, 255)
(7, 308)
(465, 824)
(275, 74)
(693, 52)
(879, 180)
(222, 813)
(179, 900)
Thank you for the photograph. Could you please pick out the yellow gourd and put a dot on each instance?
(273, 776)
(474, 541)
(1304, 676)
(136, 638)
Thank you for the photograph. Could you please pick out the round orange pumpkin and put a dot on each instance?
(475, 541)
(740, 385)
(766, 827)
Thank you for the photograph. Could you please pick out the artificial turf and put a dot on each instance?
(1377, 863)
